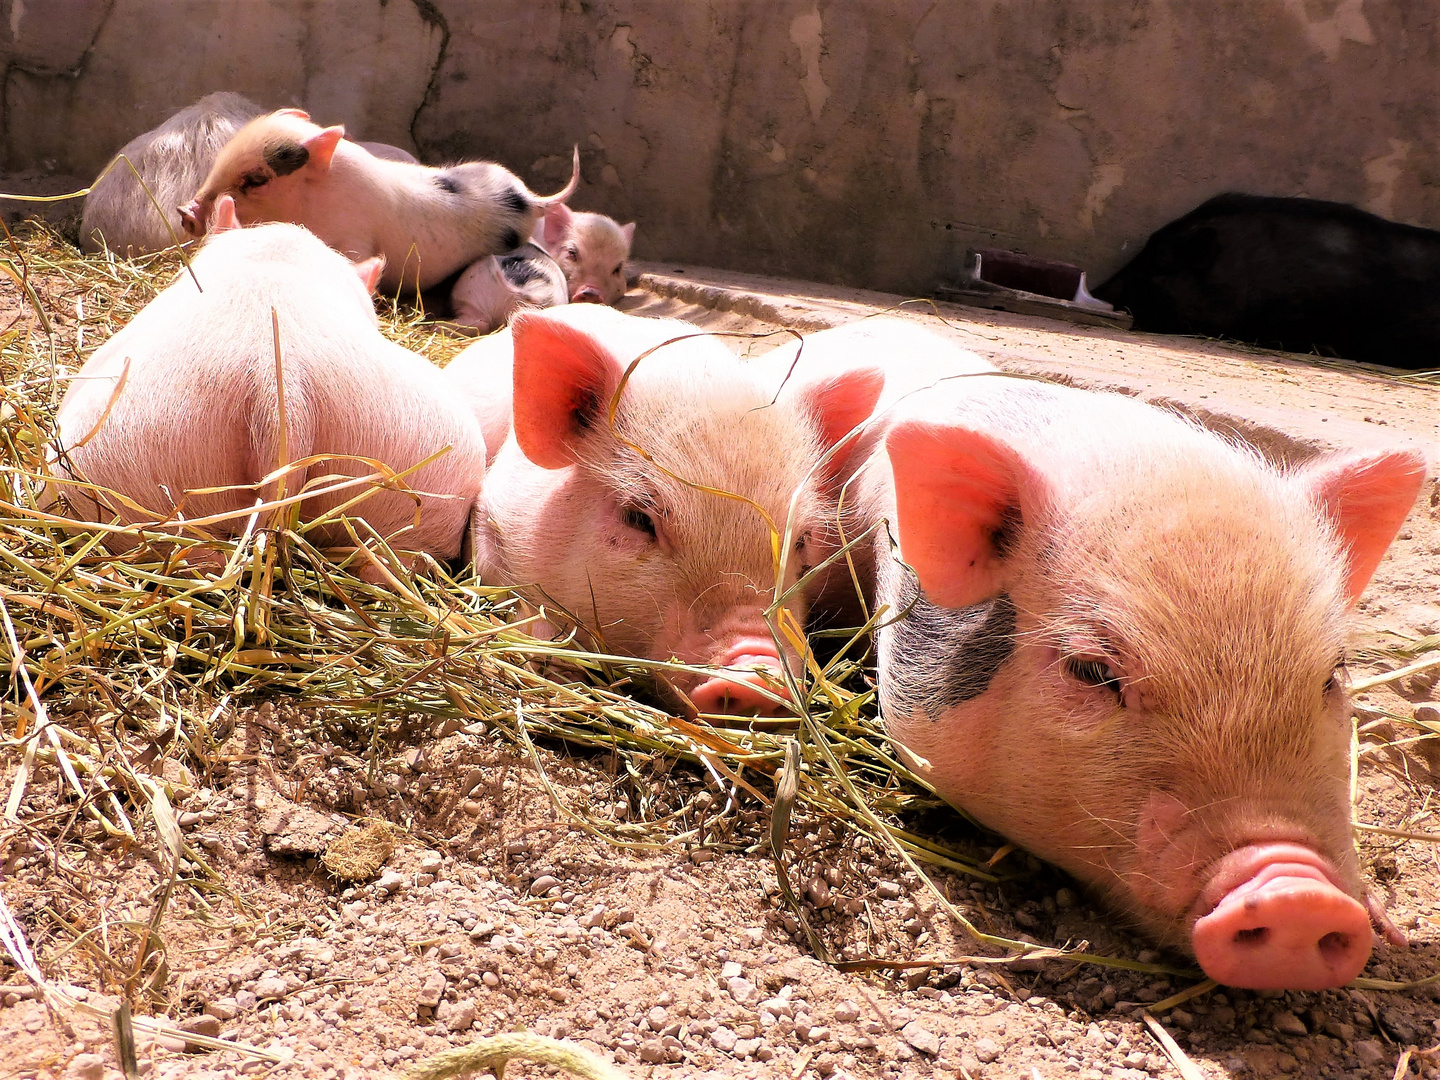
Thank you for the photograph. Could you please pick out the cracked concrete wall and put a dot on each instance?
(857, 142)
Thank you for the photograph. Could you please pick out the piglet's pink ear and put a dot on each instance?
(225, 216)
(555, 225)
(301, 113)
(564, 380)
(955, 491)
(839, 404)
(322, 146)
(369, 271)
(1367, 498)
(629, 230)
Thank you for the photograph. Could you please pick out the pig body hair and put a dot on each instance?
(198, 405)
(173, 159)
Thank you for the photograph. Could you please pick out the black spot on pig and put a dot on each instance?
(447, 183)
(515, 201)
(510, 239)
(1297, 274)
(519, 270)
(943, 657)
(286, 156)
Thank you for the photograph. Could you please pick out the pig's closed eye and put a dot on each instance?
(572, 252)
(618, 270)
(639, 520)
(252, 180)
(1089, 671)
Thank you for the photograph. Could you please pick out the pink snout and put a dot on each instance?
(587, 294)
(744, 693)
(1282, 923)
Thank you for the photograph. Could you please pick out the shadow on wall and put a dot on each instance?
(857, 143)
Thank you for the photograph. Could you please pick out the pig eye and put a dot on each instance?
(618, 270)
(1091, 672)
(251, 180)
(572, 252)
(639, 520)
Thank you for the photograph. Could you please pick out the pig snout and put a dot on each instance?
(1280, 922)
(744, 692)
(587, 294)
(192, 220)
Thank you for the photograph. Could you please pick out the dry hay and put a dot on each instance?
(124, 663)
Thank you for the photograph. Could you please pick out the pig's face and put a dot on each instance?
(591, 250)
(654, 531)
(264, 168)
(1130, 668)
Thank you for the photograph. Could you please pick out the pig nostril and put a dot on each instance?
(1253, 936)
(1334, 946)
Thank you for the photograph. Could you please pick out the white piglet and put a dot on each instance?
(653, 526)
(591, 250)
(186, 398)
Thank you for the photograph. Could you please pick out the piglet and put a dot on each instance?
(591, 249)
(491, 290)
(173, 159)
(1121, 646)
(428, 223)
(912, 358)
(185, 398)
(652, 527)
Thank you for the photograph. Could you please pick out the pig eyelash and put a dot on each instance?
(637, 519)
(572, 252)
(250, 181)
(1091, 672)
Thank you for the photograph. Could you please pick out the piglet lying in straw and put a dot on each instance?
(185, 400)
(485, 296)
(428, 223)
(1113, 637)
(657, 526)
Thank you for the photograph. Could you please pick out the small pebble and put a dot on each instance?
(542, 885)
(731, 970)
(1287, 1023)
(723, 1039)
(743, 992)
(987, 1050)
(847, 1012)
(86, 1067)
(1370, 1052)
(887, 890)
(924, 1040)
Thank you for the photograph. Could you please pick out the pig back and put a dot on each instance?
(199, 402)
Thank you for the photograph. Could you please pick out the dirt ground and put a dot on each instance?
(493, 914)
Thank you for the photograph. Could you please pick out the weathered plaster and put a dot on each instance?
(851, 141)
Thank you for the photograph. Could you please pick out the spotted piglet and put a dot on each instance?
(427, 222)
(1120, 646)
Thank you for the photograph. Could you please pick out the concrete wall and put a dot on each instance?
(862, 141)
